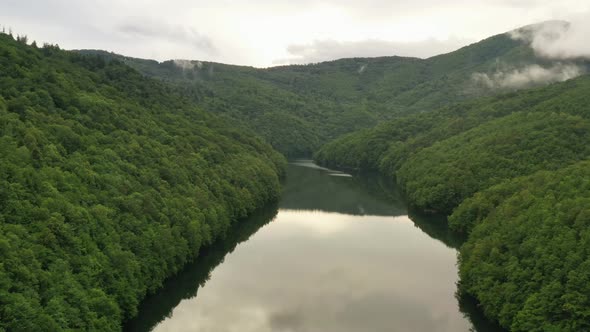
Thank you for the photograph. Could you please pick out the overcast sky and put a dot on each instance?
(269, 32)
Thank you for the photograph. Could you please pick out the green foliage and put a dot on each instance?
(443, 157)
(109, 183)
(387, 146)
(441, 176)
(527, 258)
(364, 149)
(298, 108)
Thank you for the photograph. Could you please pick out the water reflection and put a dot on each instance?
(186, 284)
(314, 188)
(340, 255)
(436, 228)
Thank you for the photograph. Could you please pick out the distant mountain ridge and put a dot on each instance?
(297, 108)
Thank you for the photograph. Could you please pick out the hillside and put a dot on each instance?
(527, 258)
(109, 183)
(441, 158)
(299, 108)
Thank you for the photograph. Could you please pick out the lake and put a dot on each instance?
(338, 253)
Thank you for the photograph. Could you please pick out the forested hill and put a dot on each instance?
(298, 108)
(442, 157)
(512, 172)
(109, 183)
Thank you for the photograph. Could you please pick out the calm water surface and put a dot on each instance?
(339, 253)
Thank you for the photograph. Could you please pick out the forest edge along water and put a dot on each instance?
(336, 253)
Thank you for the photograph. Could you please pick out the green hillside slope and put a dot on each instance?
(109, 183)
(441, 176)
(527, 260)
(389, 144)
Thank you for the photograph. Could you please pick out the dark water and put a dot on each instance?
(337, 254)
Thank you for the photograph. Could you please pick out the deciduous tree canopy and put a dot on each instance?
(109, 183)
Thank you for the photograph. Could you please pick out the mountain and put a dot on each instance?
(109, 183)
(298, 108)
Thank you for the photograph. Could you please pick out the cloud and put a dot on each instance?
(324, 50)
(257, 32)
(528, 76)
(287, 320)
(151, 29)
(558, 39)
(187, 64)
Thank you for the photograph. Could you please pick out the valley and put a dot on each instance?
(128, 185)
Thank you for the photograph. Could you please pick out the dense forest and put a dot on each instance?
(109, 183)
(298, 108)
(512, 172)
(527, 259)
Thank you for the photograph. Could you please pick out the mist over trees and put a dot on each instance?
(299, 108)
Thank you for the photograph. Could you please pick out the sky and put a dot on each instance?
(265, 33)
